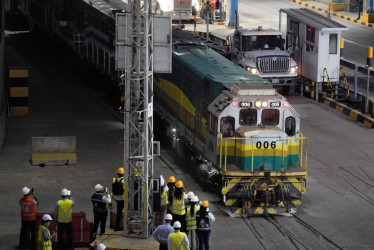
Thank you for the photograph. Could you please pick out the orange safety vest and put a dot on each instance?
(27, 208)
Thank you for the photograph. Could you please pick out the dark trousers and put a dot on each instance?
(100, 218)
(30, 225)
(203, 239)
(163, 246)
(120, 206)
(60, 233)
(181, 219)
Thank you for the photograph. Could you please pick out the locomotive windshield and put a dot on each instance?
(248, 117)
(227, 127)
(250, 43)
(270, 117)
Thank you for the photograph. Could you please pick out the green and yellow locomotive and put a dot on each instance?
(245, 134)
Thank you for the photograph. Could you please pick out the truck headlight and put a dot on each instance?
(293, 69)
(253, 71)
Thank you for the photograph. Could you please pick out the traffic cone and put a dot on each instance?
(328, 13)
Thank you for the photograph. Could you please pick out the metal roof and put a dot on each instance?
(313, 19)
(206, 62)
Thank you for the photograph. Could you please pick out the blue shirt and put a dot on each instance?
(162, 232)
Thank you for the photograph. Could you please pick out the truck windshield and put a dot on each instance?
(250, 43)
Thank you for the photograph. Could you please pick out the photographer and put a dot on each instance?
(63, 217)
(99, 200)
(28, 216)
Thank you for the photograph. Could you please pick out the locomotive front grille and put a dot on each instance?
(273, 64)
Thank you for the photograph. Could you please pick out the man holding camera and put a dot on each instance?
(28, 216)
(63, 217)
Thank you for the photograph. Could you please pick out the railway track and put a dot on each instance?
(288, 233)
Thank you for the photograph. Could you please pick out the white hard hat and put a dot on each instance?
(64, 192)
(101, 246)
(98, 187)
(190, 195)
(25, 190)
(177, 224)
(162, 181)
(46, 217)
(195, 198)
(168, 217)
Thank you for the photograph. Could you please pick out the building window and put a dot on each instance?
(333, 44)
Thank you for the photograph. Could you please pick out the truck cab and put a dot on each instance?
(261, 52)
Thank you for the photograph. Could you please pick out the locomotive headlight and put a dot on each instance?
(253, 71)
(264, 104)
(293, 69)
(258, 104)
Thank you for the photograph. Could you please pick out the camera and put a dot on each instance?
(69, 192)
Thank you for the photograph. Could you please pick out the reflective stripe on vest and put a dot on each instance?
(177, 241)
(42, 243)
(27, 209)
(164, 198)
(65, 208)
(178, 206)
(191, 220)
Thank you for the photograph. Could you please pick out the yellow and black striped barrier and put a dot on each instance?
(18, 91)
(369, 60)
(341, 48)
(333, 13)
(351, 113)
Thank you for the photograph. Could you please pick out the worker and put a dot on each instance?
(203, 218)
(101, 246)
(191, 221)
(162, 232)
(99, 200)
(189, 197)
(63, 217)
(28, 216)
(171, 187)
(160, 216)
(118, 190)
(178, 240)
(45, 236)
(178, 207)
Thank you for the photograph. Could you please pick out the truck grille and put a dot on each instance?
(274, 64)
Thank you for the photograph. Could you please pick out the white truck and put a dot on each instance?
(262, 52)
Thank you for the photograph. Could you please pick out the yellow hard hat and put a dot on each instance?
(120, 170)
(205, 203)
(171, 179)
(179, 184)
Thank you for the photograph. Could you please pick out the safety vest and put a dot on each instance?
(65, 208)
(164, 198)
(42, 243)
(27, 208)
(191, 220)
(178, 206)
(99, 206)
(177, 241)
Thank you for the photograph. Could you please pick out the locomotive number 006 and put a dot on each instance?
(265, 144)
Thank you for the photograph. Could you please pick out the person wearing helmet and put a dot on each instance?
(160, 215)
(203, 218)
(118, 189)
(28, 216)
(99, 200)
(45, 236)
(191, 220)
(178, 240)
(63, 217)
(162, 232)
(178, 207)
(101, 246)
(171, 187)
(189, 197)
